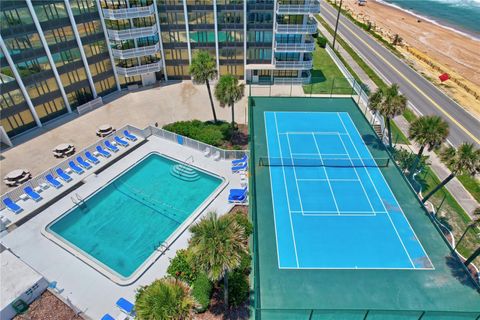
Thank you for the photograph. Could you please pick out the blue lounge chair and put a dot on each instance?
(32, 194)
(83, 163)
(240, 161)
(54, 182)
(240, 167)
(120, 141)
(238, 192)
(129, 136)
(75, 168)
(12, 206)
(63, 175)
(125, 305)
(103, 152)
(240, 199)
(90, 157)
(110, 146)
(107, 317)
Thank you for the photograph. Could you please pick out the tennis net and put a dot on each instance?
(329, 162)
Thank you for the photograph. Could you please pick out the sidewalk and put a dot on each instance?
(455, 187)
(348, 58)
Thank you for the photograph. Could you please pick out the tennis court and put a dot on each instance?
(333, 208)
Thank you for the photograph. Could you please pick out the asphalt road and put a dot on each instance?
(422, 95)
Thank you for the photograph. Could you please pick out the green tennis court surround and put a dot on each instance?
(444, 291)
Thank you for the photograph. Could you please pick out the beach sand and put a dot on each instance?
(454, 53)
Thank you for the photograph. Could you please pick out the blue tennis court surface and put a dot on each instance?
(333, 208)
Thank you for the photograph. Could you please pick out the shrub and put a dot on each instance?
(238, 288)
(202, 292)
(245, 263)
(321, 41)
(243, 221)
(181, 267)
(208, 132)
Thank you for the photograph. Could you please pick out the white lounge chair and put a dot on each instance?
(206, 152)
(216, 156)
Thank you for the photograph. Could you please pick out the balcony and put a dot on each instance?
(309, 28)
(132, 33)
(306, 8)
(139, 70)
(128, 13)
(308, 46)
(293, 65)
(136, 52)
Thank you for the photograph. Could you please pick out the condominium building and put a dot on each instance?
(56, 55)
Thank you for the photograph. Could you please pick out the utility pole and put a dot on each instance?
(336, 24)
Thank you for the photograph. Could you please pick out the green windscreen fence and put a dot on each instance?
(446, 292)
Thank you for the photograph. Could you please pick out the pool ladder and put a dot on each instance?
(78, 200)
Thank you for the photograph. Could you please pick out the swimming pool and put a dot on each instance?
(120, 226)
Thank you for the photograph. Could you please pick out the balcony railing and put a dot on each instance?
(309, 28)
(294, 47)
(132, 33)
(136, 52)
(294, 65)
(128, 13)
(308, 7)
(138, 70)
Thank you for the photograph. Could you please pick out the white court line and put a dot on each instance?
(356, 173)
(375, 187)
(326, 174)
(315, 154)
(318, 179)
(286, 191)
(329, 211)
(295, 175)
(395, 198)
(314, 132)
(271, 190)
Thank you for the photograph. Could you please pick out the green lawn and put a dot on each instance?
(326, 77)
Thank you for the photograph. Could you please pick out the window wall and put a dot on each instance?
(94, 45)
(15, 114)
(26, 50)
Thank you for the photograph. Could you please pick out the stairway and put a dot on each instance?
(184, 172)
(378, 130)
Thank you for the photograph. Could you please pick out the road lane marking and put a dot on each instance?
(471, 135)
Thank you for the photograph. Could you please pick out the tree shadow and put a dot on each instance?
(458, 271)
(217, 308)
(373, 141)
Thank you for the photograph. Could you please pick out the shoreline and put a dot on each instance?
(456, 54)
(438, 22)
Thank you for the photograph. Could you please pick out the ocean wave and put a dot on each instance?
(431, 20)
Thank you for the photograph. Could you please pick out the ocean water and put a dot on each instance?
(461, 15)
(121, 225)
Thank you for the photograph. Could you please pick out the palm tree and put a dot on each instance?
(428, 131)
(165, 298)
(464, 160)
(203, 69)
(389, 103)
(217, 245)
(228, 91)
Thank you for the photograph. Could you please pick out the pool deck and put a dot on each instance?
(80, 284)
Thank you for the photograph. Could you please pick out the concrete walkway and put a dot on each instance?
(455, 187)
(169, 102)
(348, 58)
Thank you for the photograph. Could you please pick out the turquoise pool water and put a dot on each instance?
(121, 225)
